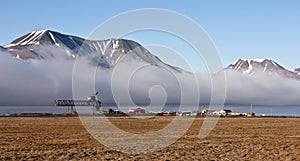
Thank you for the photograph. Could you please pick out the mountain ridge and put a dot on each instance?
(45, 44)
(254, 66)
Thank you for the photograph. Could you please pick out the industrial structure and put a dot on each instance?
(91, 101)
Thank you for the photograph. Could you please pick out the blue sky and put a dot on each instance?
(240, 29)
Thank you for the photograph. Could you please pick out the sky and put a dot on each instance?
(239, 29)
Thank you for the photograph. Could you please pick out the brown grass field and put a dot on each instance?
(64, 138)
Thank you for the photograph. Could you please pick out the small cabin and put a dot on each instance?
(91, 98)
(136, 110)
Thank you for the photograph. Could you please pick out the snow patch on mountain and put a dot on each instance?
(47, 44)
(28, 39)
(256, 60)
(255, 66)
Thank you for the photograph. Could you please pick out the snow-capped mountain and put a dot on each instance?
(45, 37)
(42, 45)
(45, 44)
(253, 66)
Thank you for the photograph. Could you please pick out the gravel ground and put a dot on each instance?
(64, 138)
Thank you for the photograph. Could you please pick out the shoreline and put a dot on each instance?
(142, 115)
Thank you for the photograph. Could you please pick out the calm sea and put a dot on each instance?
(258, 110)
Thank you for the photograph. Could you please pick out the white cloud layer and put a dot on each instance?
(40, 82)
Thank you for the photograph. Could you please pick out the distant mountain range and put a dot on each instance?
(255, 66)
(47, 44)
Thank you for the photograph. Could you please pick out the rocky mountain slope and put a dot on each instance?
(47, 44)
(255, 66)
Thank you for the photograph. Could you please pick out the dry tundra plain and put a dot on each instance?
(65, 138)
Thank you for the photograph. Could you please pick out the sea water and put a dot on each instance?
(258, 110)
(6, 110)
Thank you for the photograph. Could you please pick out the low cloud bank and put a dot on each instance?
(40, 82)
